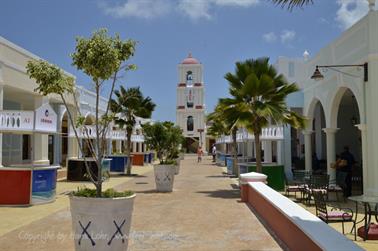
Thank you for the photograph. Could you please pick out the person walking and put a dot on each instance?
(214, 152)
(199, 154)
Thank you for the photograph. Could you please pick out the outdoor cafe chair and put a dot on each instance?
(300, 180)
(335, 214)
(316, 183)
(333, 187)
(291, 187)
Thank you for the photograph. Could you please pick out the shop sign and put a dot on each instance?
(45, 119)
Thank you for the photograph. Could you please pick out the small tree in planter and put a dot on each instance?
(102, 58)
(165, 139)
(175, 139)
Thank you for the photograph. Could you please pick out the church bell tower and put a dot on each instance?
(190, 109)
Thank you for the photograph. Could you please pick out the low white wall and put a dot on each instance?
(323, 235)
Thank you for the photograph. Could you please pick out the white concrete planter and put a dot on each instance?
(177, 171)
(101, 223)
(164, 177)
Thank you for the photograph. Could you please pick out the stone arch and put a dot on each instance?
(335, 100)
(310, 108)
(63, 114)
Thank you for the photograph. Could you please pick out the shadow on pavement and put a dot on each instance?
(224, 194)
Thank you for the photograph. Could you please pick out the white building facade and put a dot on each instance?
(342, 108)
(294, 71)
(190, 109)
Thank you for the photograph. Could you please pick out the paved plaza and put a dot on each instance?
(202, 213)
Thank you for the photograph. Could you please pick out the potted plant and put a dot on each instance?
(100, 219)
(164, 138)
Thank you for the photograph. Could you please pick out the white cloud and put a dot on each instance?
(241, 3)
(270, 37)
(287, 36)
(139, 8)
(194, 9)
(350, 11)
(323, 20)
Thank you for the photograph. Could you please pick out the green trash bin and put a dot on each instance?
(275, 173)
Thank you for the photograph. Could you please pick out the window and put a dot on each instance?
(190, 124)
(189, 78)
(189, 98)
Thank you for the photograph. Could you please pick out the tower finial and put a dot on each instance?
(190, 54)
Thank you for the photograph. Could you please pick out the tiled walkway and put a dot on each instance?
(202, 213)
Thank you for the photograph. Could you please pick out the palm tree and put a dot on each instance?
(258, 98)
(225, 124)
(129, 104)
(292, 3)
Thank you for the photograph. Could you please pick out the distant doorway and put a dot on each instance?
(191, 144)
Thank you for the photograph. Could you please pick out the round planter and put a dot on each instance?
(164, 177)
(101, 223)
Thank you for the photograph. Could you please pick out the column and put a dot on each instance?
(331, 151)
(267, 151)
(109, 147)
(73, 146)
(1, 108)
(140, 146)
(308, 152)
(134, 146)
(118, 146)
(362, 128)
(40, 142)
(60, 109)
(279, 153)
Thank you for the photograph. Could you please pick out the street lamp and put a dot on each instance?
(319, 76)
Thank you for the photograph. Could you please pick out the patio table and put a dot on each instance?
(366, 201)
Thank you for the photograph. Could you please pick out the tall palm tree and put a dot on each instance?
(258, 97)
(225, 124)
(129, 104)
(292, 3)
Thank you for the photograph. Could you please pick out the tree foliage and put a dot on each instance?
(101, 57)
(258, 99)
(290, 4)
(165, 138)
(129, 104)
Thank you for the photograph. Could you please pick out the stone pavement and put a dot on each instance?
(202, 213)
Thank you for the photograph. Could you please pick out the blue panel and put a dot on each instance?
(118, 163)
(44, 180)
(43, 186)
(229, 162)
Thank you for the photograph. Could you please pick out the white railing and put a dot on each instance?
(137, 138)
(89, 131)
(269, 133)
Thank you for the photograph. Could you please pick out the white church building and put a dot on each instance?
(190, 109)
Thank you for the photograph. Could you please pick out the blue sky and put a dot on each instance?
(217, 32)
